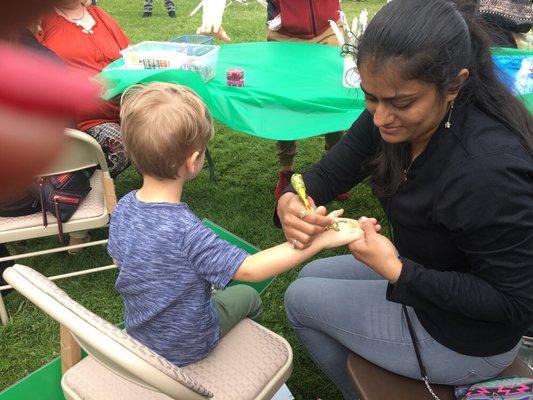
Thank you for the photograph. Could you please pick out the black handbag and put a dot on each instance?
(60, 195)
(19, 204)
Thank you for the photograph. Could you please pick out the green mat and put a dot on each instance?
(292, 90)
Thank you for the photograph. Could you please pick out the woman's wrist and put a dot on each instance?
(285, 197)
(317, 244)
(282, 204)
(395, 270)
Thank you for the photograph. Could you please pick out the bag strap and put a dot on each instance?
(414, 339)
(40, 181)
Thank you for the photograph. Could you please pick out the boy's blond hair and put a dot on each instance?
(162, 124)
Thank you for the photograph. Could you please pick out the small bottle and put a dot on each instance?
(235, 77)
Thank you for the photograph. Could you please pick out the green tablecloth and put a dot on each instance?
(292, 90)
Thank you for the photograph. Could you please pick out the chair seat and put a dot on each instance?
(93, 206)
(376, 383)
(90, 380)
(245, 361)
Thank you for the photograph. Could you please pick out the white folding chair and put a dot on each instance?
(81, 151)
(250, 362)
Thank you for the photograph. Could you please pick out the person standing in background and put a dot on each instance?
(301, 21)
(149, 5)
(287, 21)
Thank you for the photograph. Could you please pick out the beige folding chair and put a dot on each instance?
(250, 362)
(82, 151)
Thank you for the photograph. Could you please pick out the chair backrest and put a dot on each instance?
(112, 347)
(81, 151)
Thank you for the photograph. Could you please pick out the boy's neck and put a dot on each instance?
(156, 190)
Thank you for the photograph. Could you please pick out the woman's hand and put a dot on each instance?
(300, 226)
(377, 252)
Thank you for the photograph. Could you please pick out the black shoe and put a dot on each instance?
(93, 2)
(172, 14)
(147, 14)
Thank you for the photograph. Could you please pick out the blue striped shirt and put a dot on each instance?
(168, 261)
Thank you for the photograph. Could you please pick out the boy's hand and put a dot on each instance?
(377, 252)
(349, 230)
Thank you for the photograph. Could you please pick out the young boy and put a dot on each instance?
(168, 260)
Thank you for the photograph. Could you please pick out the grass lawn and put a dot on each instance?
(241, 201)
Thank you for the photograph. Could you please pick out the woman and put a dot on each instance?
(288, 21)
(88, 39)
(448, 149)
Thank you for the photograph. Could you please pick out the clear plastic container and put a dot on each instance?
(199, 58)
(194, 39)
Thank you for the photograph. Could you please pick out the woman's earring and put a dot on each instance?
(448, 124)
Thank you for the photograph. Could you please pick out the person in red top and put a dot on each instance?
(287, 21)
(88, 39)
(301, 21)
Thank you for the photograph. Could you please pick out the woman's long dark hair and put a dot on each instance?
(435, 41)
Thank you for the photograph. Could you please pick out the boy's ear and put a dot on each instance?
(190, 162)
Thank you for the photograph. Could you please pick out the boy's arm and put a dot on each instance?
(273, 261)
(281, 258)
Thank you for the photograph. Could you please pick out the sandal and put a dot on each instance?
(74, 241)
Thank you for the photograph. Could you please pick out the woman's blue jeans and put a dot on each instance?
(338, 305)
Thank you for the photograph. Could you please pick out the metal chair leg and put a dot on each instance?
(211, 166)
(3, 312)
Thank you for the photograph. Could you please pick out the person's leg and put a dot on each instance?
(328, 38)
(286, 151)
(148, 7)
(78, 237)
(3, 266)
(328, 353)
(110, 139)
(234, 304)
(335, 316)
(171, 8)
(339, 267)
(331, 139)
